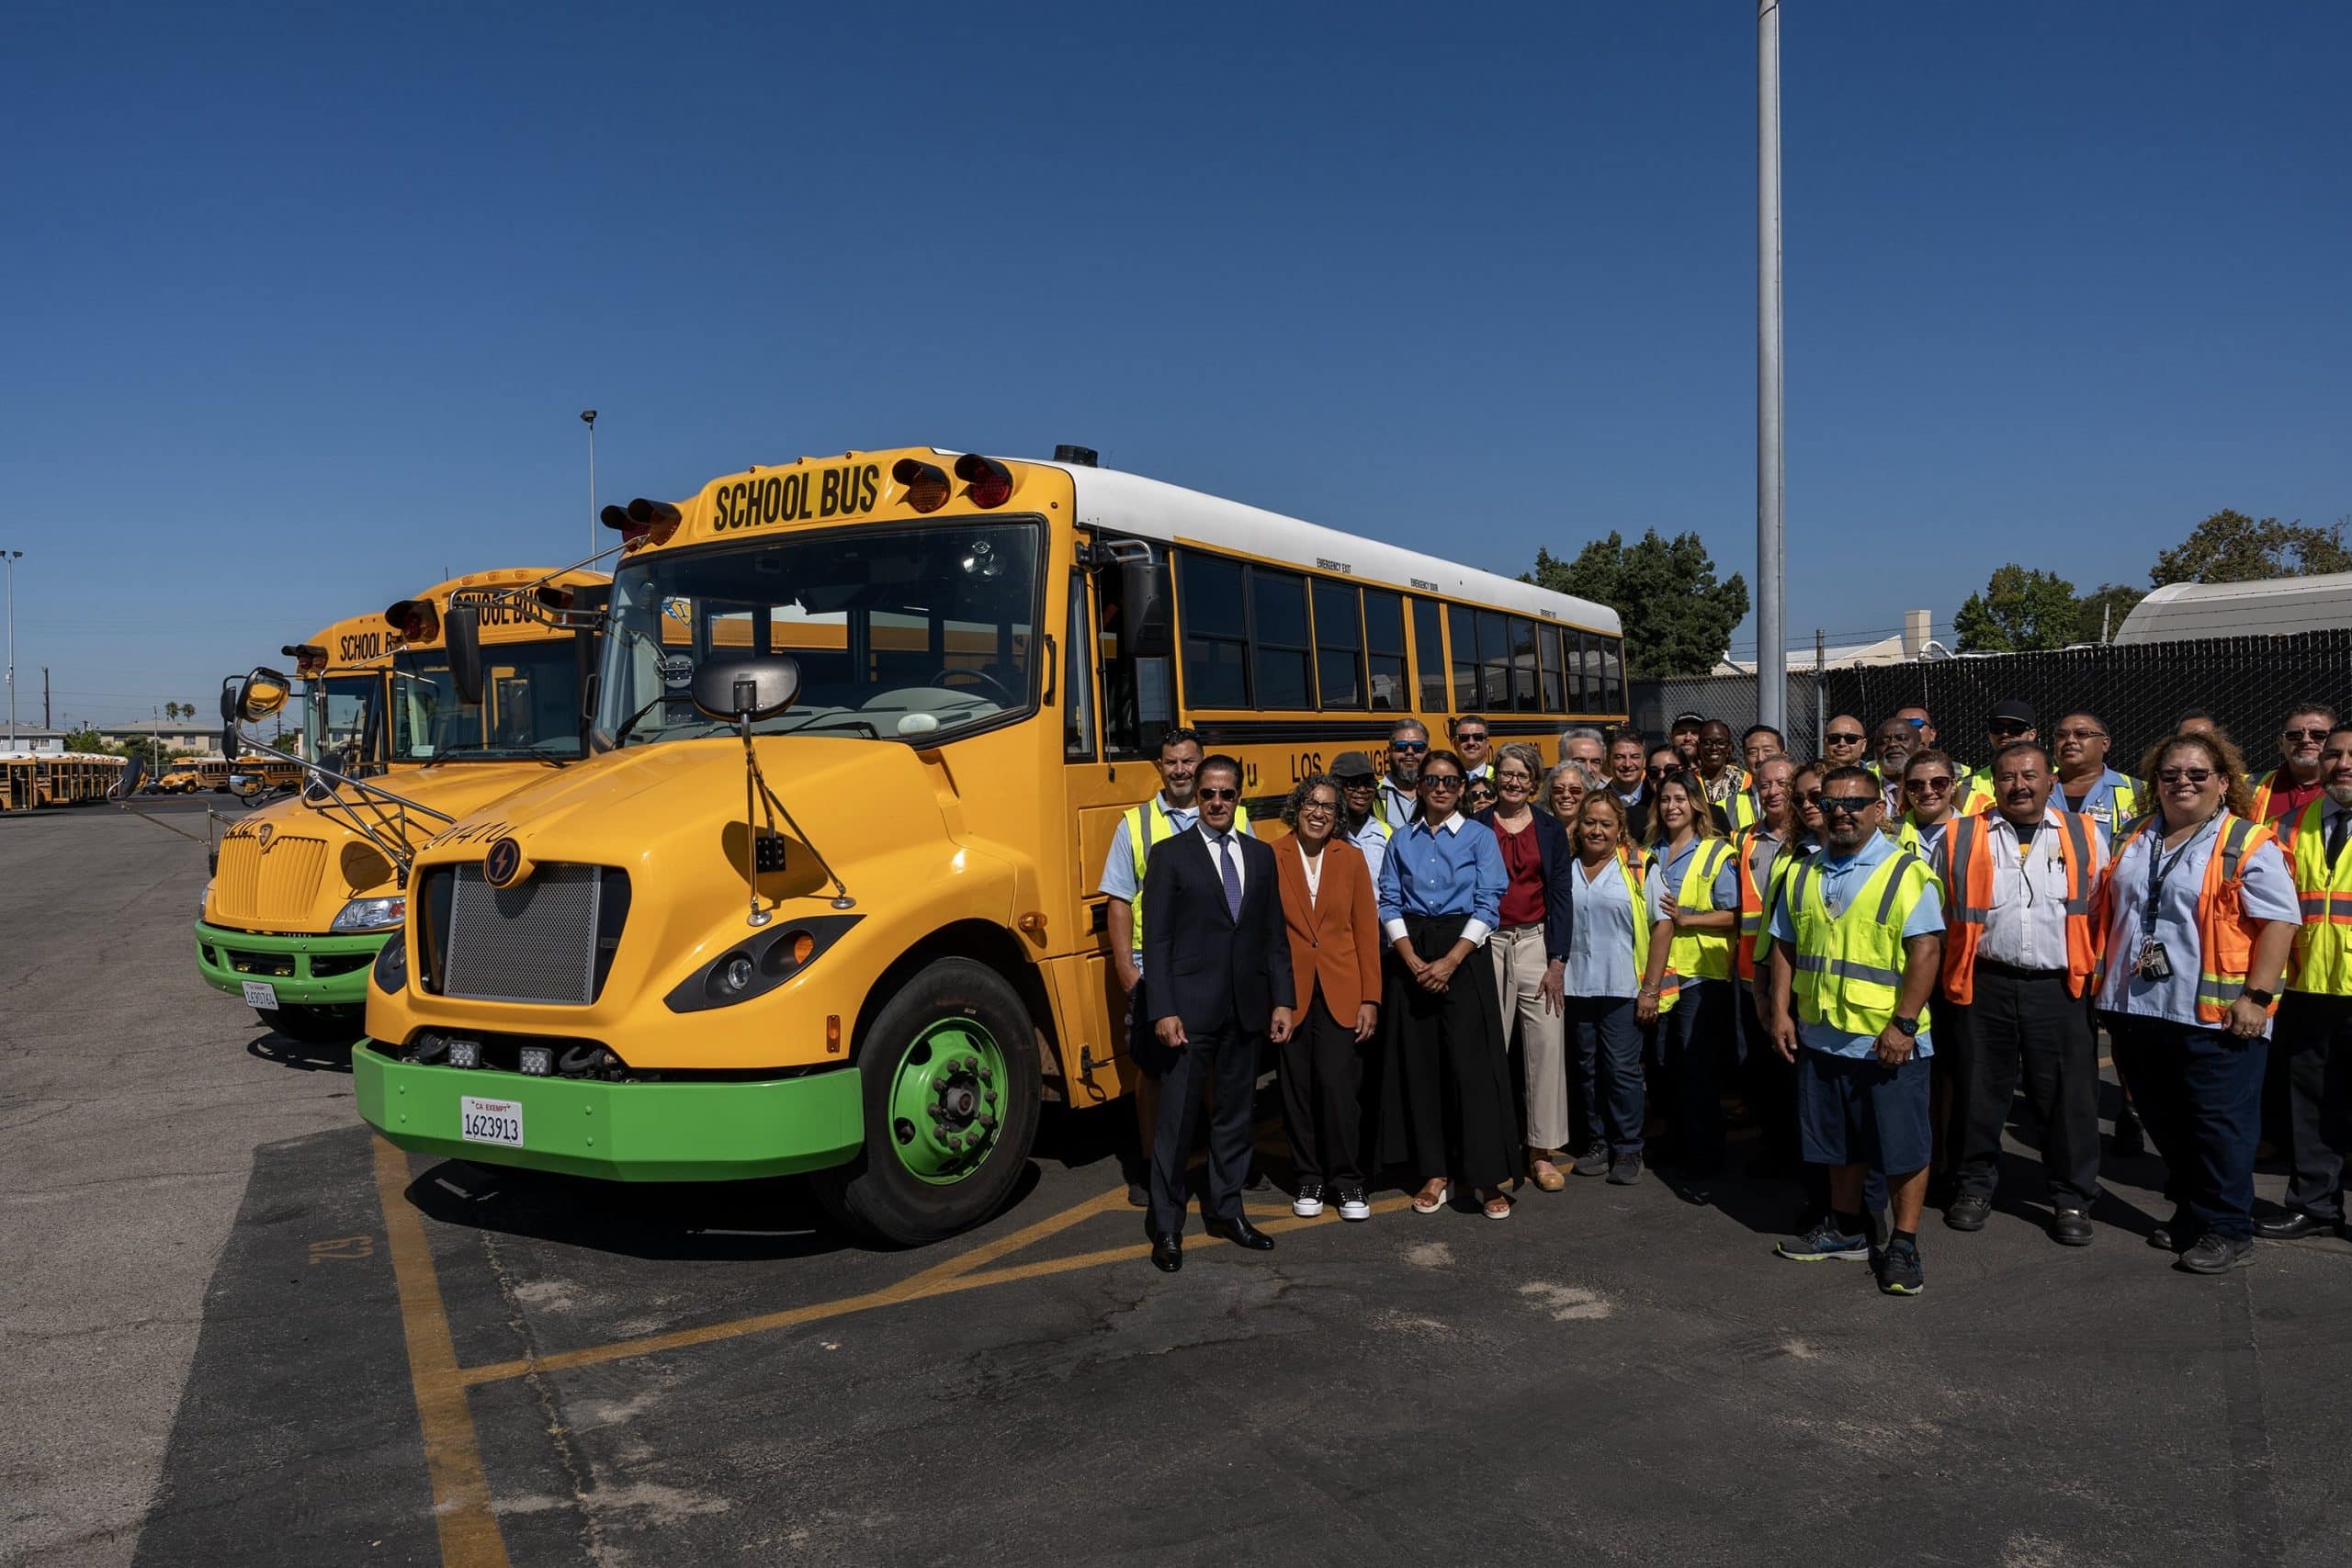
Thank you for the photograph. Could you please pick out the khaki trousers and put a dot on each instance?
(1520, 961)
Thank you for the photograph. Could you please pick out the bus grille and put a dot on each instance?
(271, 889)
(535, 943)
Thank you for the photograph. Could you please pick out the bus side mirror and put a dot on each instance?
(745, 686)
(132, 771)
(461, 635)
(259, 696)
(1143, 609)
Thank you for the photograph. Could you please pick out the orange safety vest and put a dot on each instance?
(1965, 864)
(2224, 935)
(1751, 900)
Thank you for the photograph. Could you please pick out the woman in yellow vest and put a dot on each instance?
(1930, 786)
(2200, 916)
(1608, 952)
(1694, 907)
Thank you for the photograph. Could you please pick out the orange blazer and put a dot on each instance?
(1335, 940)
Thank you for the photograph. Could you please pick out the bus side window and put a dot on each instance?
(1138, 694)
(1077, 677)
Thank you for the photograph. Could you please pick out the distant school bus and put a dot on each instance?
(875, 957)
(306, 889)
(189, 775)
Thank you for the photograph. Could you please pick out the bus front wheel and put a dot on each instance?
(949, 1078)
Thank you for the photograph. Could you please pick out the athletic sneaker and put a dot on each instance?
(1625, 1169)
(1899, 1269)
(1823, 1242)
(1309, 1202)
(1352, 1206)
(1592, 1160)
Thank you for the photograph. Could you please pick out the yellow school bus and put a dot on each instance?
(856, 932)
(305, 890)
(187, 776)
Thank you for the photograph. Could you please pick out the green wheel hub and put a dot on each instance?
(947, 1101)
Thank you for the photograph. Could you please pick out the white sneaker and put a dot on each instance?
(1309, 1202)
(1352, 1206)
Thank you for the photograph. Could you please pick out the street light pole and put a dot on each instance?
(12, 557)
(1771, 640)
(588, 418)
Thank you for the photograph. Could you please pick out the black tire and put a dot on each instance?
(877, 1196)
(316, 1026)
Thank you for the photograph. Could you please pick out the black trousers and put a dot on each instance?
(2200, 1093)
(1693, 1037)
(1447, 1096)
(1322, 1085)
(1229, 1058)
(2028, 1028)
(2312, 1041)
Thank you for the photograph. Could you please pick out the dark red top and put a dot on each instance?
(2288, 796)
(1524, 859)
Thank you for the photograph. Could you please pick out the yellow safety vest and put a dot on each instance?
(1740, 810)
(1975, 793)
(1908, 838)
(2322, 961)
(1636, 869)
(1850, 967)
(1141, 820)
(1701, 955)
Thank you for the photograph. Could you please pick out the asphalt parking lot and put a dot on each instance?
(240, 1330)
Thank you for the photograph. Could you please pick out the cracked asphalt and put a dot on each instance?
(210, 1329)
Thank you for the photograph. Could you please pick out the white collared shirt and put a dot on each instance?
(2027, 924)
(1217, 855)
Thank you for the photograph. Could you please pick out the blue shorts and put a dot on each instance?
(1858, 1111)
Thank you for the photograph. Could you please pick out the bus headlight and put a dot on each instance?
(372, 914)
(391, 966)
(204, 901)
(759, 965)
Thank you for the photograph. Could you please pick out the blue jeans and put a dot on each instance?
(2198, 1092)
(1606, 1068)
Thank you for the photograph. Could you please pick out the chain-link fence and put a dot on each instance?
(1732, 699)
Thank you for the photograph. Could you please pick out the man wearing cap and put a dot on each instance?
(2010, 722)
(1400, 797)
(1683, 736)
(1360, 822)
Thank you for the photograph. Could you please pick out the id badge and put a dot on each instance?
(2153, 964)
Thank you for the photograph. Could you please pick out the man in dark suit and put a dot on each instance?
(1219, 954)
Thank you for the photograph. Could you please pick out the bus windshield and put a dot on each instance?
(530, 704)
(914, 634)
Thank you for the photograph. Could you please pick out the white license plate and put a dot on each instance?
(489, 1122)
(261, 994)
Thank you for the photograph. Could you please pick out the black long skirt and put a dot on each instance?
(1445, 1085)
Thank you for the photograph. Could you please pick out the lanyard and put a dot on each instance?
(2159, 868)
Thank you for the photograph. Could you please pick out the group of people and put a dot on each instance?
(1493, 973)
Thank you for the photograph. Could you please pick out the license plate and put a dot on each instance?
(490, 1122)
(261, 994)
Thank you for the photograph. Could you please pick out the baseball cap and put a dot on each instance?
(2015, 711)
(1683, 719)
(1354, 765)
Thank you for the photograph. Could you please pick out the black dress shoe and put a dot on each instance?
(2070, 1228)
(2292, 1226)
(1167, 1252)
(1241, 1233)
(1969, 1212)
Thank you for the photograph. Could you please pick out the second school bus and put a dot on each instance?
(876, 957)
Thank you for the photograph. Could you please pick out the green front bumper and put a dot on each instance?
(230, 958)
(620, 1131)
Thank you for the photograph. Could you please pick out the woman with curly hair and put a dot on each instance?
(1334, 926)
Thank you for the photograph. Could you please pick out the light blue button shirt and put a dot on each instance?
(1600, 938)
(1723, 894)
(1371, 840)
(1119, 865)
(2269, 895)
(1841, 880)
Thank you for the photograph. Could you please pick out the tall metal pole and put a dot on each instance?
(12, 557)
(588, 418)
(1771, 642)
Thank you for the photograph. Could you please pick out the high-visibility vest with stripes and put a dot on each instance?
(1969, 845)
(1148, 823)
(1636, 869)
(2122, 805)
(1701, 955)
(1849, 966)
(2323, 960)
(1907, 836)
(1775, 888)
(1751, 897)
(1740, 810)
(2224, 935)
(1975, 793)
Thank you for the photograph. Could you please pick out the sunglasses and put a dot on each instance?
(2185, 775)
(1848, 805)
(1810, 796)
(1937, 786)
(1851, 738)
(2004, 726)
(1408, 745)
(2303, 735)
(2083, 734)
(1218, 794)
(1470, 735)
(1354, 784)
(1440, 781)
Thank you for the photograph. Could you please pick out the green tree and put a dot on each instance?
(2103, 609)
(1678, 616)
(86, 740)
(2230, 547)
(2018, 612)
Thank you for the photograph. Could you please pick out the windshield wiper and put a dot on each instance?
(630, 722)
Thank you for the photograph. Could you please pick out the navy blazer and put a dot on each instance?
(1200, 964)
(1558, 857)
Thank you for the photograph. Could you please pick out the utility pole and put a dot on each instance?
(588, 418)
(1771, 646)
(44, 696)
(12, 557)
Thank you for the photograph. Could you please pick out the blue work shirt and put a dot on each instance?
(1372, 838)
(1453, 870)
(2099, 802)
(1668, 878)
(1600, 935)
(2269, 895)
(1841, 880)
(1119, 866)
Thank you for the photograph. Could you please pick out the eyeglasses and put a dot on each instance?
(2303, 735)
(1937, 786)
(1316, 808)
(1408, 745)
(1218, 794)
(1846, 738)
(2185, 775)
(1849, 805)
(1440, 781)
(2080, 734)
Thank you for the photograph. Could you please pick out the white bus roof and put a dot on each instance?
(2272, 607)
(1152, 509)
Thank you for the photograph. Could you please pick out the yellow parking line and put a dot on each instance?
(469, 1534)
(917, 1287)
(988, 1252)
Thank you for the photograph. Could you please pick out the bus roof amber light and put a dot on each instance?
(989, 482)
(927, 486)
(415, 619)
(642, 522)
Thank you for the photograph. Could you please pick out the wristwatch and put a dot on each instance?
(1908, 1025)
(2259, 997)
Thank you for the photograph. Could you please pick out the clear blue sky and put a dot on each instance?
(303, 302)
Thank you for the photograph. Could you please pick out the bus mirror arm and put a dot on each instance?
(1144, 631)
